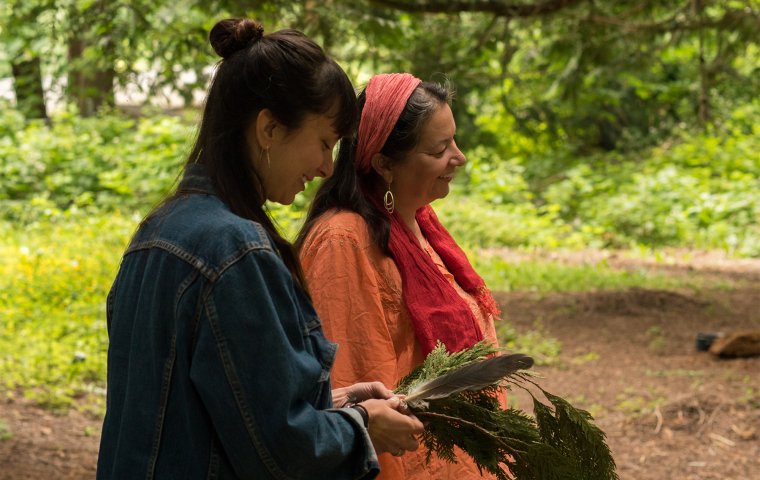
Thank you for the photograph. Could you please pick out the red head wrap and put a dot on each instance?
(437, 311)
(385, 98)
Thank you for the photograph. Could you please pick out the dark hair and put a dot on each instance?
(349, 190)
(284, 72)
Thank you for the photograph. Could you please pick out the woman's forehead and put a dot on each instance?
(440, 126)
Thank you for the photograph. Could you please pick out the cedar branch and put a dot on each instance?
(462, 421)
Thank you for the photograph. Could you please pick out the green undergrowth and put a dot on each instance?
(550, 276)
(54, 279)
(5, 431)
(55, 275)
(536, 343)
(697, 190)
(65, 187)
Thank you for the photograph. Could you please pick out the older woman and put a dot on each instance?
(386, 277)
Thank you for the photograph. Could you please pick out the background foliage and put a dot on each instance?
(587, 124)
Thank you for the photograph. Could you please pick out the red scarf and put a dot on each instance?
(437, 311)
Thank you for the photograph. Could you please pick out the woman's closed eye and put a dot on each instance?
(440, 148)
(439, 152)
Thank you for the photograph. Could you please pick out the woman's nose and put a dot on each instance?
(459, 158)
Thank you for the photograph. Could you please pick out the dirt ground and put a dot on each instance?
(629, 357)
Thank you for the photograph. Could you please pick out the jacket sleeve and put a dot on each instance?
(261, 367)
(345, 287)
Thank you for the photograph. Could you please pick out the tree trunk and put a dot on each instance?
(703, 109)
(89, 87)
(27, 83)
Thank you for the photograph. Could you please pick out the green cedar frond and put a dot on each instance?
(588, 440)
(560, 442)
(440, 362)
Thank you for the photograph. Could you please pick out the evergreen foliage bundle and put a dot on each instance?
(558, 442)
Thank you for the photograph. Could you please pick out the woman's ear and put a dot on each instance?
(266, 128)
(381, 164)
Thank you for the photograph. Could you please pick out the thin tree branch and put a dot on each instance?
(503, 9)
(729, 19)
(499, 8)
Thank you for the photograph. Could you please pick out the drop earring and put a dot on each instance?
(261, 155)
(388, 201)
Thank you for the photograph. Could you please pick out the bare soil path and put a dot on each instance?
(669, 411)
(629, 357)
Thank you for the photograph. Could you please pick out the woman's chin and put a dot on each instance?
(284, 199)
(442, 193)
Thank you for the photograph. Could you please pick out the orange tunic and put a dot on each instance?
(356, 291)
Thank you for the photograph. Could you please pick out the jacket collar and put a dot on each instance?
(196, 180)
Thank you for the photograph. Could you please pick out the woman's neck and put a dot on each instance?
(410, 220)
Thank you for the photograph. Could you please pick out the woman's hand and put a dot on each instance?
(389, 429)
(359, 392)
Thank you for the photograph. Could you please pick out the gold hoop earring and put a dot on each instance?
(388, 201)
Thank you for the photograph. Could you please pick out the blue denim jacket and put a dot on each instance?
(217, 364)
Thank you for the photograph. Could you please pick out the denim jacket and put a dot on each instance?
(217, 364)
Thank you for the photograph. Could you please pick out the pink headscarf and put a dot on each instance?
(386, 96)
(437, 311)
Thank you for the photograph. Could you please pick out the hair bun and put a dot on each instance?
(234, 34)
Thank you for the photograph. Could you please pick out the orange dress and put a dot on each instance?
(356, 290)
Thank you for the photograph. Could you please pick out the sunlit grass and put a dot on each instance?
(54, 278)
(55, 275)
(5, 431)
(510, 275)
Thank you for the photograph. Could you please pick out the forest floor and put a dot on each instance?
(627, 356)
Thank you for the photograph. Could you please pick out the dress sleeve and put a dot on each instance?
(261, 367)
(345, 287)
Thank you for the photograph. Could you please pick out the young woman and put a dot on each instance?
(217, 364)
(386, 277)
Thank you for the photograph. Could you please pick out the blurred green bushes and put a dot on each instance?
(73, 191)
(97, 164)
(698, 190)
(53, 280)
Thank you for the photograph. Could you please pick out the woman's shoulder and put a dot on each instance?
(220, 225)
(201, 227)
(342, 218)
(339, 224)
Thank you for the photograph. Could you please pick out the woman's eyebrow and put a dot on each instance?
(441, 142)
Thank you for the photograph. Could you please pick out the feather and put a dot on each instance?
(470, 377)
